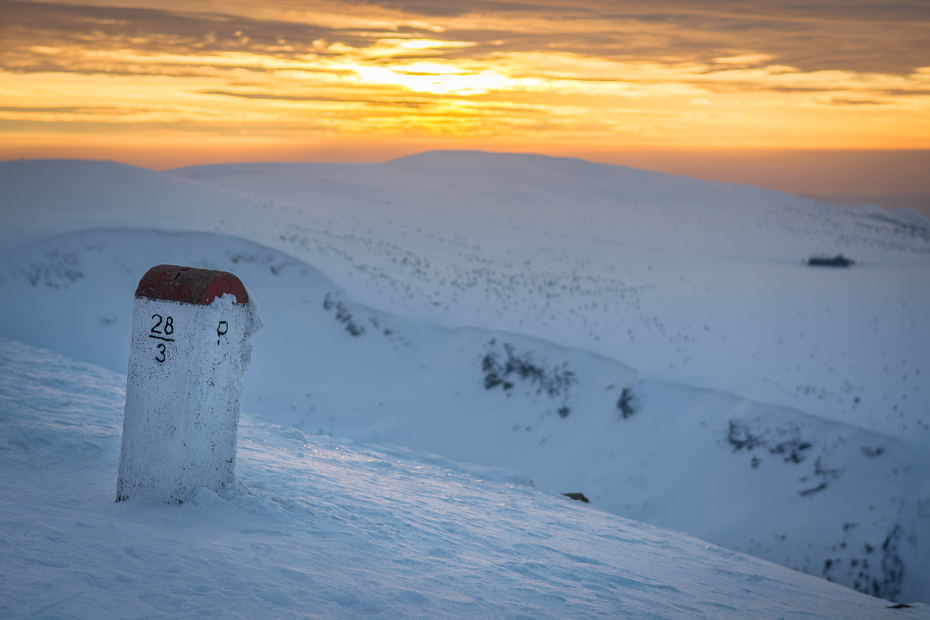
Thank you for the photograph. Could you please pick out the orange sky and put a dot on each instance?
(170, 83)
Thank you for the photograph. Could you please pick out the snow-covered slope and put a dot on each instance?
(690, 281)
(824, 497)
(499, 310)
(326, 528)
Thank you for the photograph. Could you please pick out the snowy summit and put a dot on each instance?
(453, 341)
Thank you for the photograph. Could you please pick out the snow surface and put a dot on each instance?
(331, 528)
(498, 309)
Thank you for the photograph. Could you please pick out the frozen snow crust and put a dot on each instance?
(652, 341)
(319, 527)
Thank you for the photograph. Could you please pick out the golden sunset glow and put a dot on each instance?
(544, 77)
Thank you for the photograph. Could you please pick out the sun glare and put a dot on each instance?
(433, 78)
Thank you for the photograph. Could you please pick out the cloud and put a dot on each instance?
(888, 37)
(668, 69)
(25, 25)
(829, 34)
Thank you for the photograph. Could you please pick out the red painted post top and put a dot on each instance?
(189, 285)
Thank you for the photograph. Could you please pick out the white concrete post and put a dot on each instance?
(190, 347)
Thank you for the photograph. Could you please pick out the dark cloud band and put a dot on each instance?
(878, 37)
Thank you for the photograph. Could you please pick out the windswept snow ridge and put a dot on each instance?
(326, 528)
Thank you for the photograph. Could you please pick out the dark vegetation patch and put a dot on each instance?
(880, 231)
(58, 270)
(505, 370)
(867, 570)
(275, 266)
(816, 489)
(900, 227)
(343, 316)
(628, 404)
(889, 587)
(357, 322)
(792, 447)
(826, 477)
(555, 382)
(386, 330)
(787, 443)
(740, 437)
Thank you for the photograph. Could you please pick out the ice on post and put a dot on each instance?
(190, 347)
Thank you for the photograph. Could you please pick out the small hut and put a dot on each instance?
(830, 261)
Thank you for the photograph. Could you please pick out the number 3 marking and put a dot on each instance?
(161, 350)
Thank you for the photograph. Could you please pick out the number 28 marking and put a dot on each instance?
(162, 335)
(169, 326)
